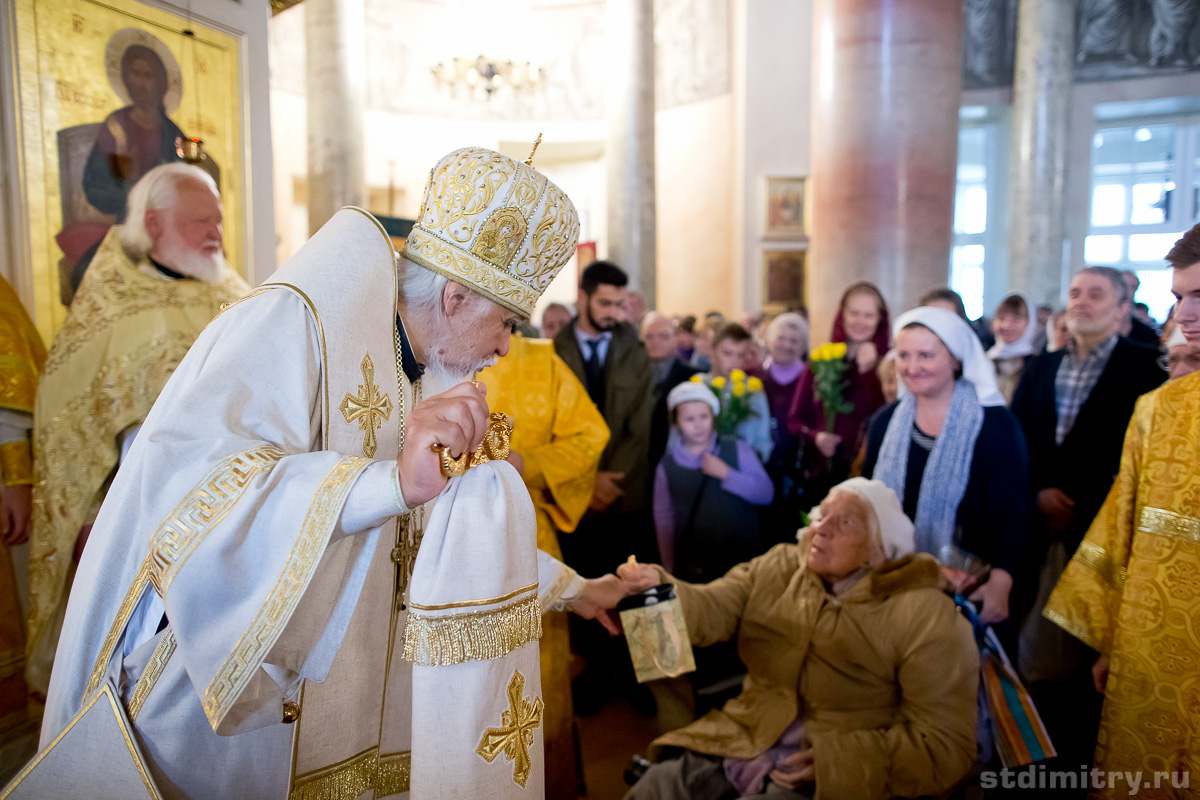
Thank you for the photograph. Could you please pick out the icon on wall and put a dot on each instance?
(107, 91)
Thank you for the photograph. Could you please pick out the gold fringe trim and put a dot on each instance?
(386, 775)
(394, 775)
(437, 641)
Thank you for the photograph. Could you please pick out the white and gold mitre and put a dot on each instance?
(494, 224)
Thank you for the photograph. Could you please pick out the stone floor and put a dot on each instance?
(608, 740)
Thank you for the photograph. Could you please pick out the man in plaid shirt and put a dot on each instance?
(1074, 406)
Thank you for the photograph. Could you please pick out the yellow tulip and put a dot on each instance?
(815, 355)
(739, 389)
(754, 385)
(718, 382)
(697, 378)
(839, 350)
(738, 375)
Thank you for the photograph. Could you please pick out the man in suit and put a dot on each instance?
(1074, 405)
(606, 355)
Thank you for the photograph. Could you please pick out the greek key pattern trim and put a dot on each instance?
(264, 629)
(152, 672)
(140, 580)
(201, 509)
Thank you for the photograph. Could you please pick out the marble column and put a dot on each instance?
(629, 148)
(886, 89)
(336, 43)
(1038, 164)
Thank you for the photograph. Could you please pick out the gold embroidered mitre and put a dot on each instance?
(494, 224)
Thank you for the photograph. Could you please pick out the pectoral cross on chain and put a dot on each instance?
(370, 408)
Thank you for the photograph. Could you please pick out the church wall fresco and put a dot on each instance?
(692, 51)
(1114, 40)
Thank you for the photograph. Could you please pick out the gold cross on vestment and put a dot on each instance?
(370, 408)
(514, 737)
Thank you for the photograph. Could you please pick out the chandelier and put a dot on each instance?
(490, 74)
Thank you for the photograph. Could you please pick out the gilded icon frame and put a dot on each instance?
(784, 201)
(785, 278)
(61, 79)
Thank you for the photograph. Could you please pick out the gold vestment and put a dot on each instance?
(1132, 592)
(125, 333)
(561, 435)
(22, 356)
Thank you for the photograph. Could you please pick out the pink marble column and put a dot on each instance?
(886, 93)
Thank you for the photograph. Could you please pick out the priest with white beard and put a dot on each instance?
(283, 595)
(153, 285)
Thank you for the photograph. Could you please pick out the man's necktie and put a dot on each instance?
(594, 371)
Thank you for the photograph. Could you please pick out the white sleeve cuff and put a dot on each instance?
(558, 584)
(14, 426)
(374, 498)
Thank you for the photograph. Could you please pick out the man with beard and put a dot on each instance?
(606, 355)
(154, 284)
(272, 602)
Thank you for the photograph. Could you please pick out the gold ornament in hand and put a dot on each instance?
(494, 447)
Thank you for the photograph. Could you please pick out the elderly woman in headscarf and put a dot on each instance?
(954, 454)
(1014, 328)
(862, 323)
(862, 677)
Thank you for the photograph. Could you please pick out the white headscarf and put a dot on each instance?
(1176, 338)
(895, 529)
(962, 343)
(1022, 346)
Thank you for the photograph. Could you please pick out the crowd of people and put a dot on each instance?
(996, 441)
(844, 526)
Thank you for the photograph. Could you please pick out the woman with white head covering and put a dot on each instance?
(1014, 328)
(953, 453)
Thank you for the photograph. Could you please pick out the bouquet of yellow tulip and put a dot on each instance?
(731, 394)
(828, 363)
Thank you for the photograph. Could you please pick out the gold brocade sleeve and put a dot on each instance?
(1087, 598)
(22, 354)
(16, 464)
(563, 470)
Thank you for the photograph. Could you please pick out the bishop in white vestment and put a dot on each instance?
(255, 603)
